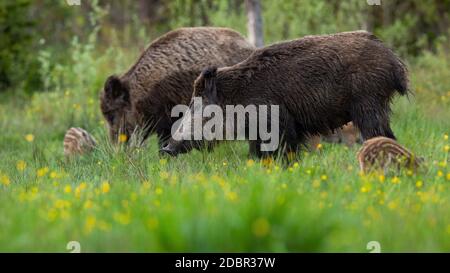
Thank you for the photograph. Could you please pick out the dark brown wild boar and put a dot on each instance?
(163, 76)
(319, 83)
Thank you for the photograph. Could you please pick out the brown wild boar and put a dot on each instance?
(78, 142)
(318, 82)
(163, 76)
(383, 152)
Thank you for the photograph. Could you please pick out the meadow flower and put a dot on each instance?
(163, 161)
(440, 173)
(89, 224)
(88, 204)
(364, 189)
(319, 146)
(419, 184)
(267, 162)
(261, 227)
(381, 178)
(445, 136)
(395, 180)
(5, 180)
(123, 138)
(67, 189)
(76, 106)
(159, 191)
(21, 165)
(164, 175)
(296, 165)
(448, 176)
(250, 163)
(105, 187)
(231, 196)
(316, 183)
(54, 175)
(103, 226)
(324, 177)
(446, 148)
(42, 172)
(29, 137)
(52, 214)
(122, 218)
(145, 185)
(392, 205)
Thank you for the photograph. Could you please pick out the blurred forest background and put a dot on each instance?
(36, 35)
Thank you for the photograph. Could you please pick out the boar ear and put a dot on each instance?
(115, 89)
(209, 76)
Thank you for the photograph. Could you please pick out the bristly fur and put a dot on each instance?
(320, 83)
(382, 152)
(78, 142)
(163, 77)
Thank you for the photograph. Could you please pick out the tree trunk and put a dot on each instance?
(254, 22)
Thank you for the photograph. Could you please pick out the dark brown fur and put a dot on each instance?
(319, 82)
(163, 77)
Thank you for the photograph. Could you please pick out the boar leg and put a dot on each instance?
(372, 120)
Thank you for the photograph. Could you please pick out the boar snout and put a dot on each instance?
(168, 150)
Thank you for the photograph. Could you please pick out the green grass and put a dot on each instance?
(136, 201)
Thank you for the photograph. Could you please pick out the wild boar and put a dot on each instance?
(318, 82)
(163, 76)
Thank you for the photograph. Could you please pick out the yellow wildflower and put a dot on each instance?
(324, 177)
(159, 191)
(21, 165)
(105, 187)
(250, 163)
(440, 173)
(316, 183)
(67, 189)
(42, 172)
(123, 138)
(395, 180)
(29, 137)
(419, 183)
(232, 196)
(122, 218)
(164, 175)
(5, 180)
(89, 224)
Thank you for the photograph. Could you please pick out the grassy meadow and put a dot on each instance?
(135, 201)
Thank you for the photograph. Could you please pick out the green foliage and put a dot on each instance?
(18, 66)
